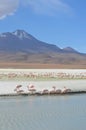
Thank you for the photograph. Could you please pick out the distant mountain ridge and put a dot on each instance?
(19, 46)
(20, 40)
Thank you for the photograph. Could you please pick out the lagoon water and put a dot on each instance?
(60, 112)
(64, 112)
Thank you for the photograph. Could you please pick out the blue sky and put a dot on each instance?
(60, 22)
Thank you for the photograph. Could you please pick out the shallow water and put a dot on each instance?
(43, 112)
(75, 85)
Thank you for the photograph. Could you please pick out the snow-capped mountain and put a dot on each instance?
(20, 40)
(19, 46)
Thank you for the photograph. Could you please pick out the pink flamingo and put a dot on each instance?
(45, 91)
(65, 90)
(53, 91)
(18, 90)
(31, 88)
(58, 91)
(17, 87)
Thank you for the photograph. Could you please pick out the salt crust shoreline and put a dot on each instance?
(77, 86)
(41, 74)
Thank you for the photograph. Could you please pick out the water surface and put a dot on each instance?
(43, 112)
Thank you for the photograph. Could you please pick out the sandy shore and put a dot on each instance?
(28, 65)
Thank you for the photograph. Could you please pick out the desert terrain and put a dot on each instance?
(23, 65)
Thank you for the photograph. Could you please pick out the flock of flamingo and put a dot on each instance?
(37, 75)
(32, 90)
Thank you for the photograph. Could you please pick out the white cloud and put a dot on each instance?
(49, 7)
(8, 7)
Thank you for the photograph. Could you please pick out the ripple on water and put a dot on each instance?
(43, 113)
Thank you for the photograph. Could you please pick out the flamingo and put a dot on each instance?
(58, 91)
(53, 91)
(45, 91)
(31, 88)
(65, 90)
(17, 87)
(18, 90)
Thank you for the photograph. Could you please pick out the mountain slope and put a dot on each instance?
(69, 49)
(21, 47)
(24, 42)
